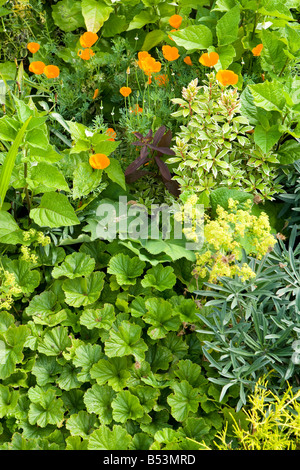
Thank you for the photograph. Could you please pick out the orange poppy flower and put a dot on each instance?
(33, 47)
(37, 67)
(188, 60)
(147, 63)
(170, 53)
(227, 77)
(85, 54)
(162, 80)
(256, 51)
(137, 109)
(99, 161)
(51, 71)
(112, 133)
(125, 91)
(209, 59)
(96, 93)
(88, 39)
(175, 21)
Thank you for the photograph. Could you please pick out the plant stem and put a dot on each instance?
(283, 68)
(26, 187)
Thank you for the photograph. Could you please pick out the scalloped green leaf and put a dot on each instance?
(98, 400)
(160, 277)
(105, 438)
(126, 406)
(126, 269)
(183, 401)
(126, 341)
(114, 371)
(83, 291)
(74, 265)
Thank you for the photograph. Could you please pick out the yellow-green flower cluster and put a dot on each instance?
(27, 255)
(225, 237)
(8, 289)
(33, 235)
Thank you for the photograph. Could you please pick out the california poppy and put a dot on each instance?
(209, 59)
(147, 63)
(85, 54)
(33, 47)
(112, 133)
(137, 109)
(256, 51)
(99, 161)
(125, 91)
(96, 93)
(175, 21)
(51, 71)
(88, 39)
(188, 60)
(227, 77)
(37, 67)
(170, 53)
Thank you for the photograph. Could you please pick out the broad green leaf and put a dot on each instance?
(76, 443)
(68, 379)
(152, 39)
(191, 372)
(83, 290)
(273, 57)
(159, 357)
(266, 138)
(227, 26)
(42, 304)
(54, 211)
(74, 265)
(147, 396)
(98, 400)
(98, 318)
(81, 424)
(9, 162)
(183, 401)
(289, 152)
(226, 56)
(125, 269)
(85, 180)
(115, 25)
(67, 15)
(10, 232)
(186, 308)
(54, 341)
(126, 341)
(193, 37)
(107, 439)
(268, 95)
(196, 428)
(95, 13)
(126, 406)
(114, 371)
(48, 175)
(8, 400)
(161, 316)
(85, 357)
(45, 369)
(275, 8)
(160, 277)
(142, 18)
(45, 408)
(115, 173)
